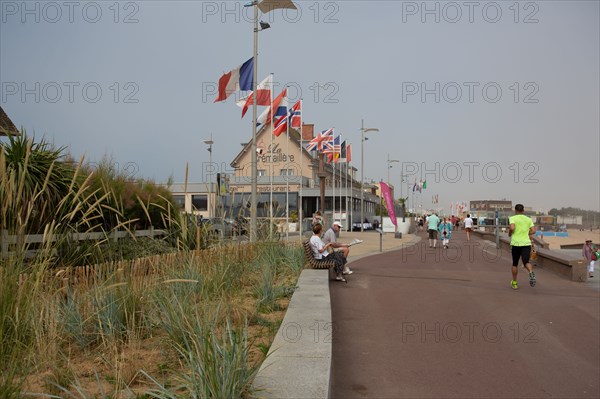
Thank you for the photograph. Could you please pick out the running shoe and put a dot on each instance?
(532, 279)
(514, 285)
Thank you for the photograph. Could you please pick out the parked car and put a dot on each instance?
(219, 227)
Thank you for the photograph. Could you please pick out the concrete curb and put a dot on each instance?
(298, 364)
(299, 361)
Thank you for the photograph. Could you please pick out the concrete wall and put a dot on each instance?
(299, 361)
(563, 264)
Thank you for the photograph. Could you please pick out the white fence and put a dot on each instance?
(7, 240)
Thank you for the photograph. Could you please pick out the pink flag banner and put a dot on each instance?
(389, 202)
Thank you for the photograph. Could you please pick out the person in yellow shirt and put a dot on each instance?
(520, 231)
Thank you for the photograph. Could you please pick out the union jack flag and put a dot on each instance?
(332, 147)
(318, 143)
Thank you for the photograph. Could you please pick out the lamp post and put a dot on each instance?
(390, 161)
(363, 130)
(210, 143)
(253, 180)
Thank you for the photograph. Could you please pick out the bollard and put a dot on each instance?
(380, 239)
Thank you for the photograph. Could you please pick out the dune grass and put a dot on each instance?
(192, 322)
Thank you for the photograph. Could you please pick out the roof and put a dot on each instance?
(7, 127)
(294, 138)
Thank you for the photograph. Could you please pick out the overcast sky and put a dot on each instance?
(484, 100)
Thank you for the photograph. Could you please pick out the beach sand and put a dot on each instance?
(575, 237)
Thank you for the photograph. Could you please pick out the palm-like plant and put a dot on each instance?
(33, 180)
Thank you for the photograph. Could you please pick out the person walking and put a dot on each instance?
(590, 255)
(468, 226)
(520, 231)
(317, 219)
(432, 226)
(330, 236)
(445, 232)
(320, 252)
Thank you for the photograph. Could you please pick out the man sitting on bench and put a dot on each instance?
(320, 252)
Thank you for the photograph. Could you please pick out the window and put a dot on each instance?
(179, 201)
(261, 172)
(200, 202)
(287, 172)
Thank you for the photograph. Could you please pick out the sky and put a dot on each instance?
(483, 100)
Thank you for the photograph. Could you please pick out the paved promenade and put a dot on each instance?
(424, 323)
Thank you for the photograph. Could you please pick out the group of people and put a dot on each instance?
(436, 225)
(520, 231)
(325, 247)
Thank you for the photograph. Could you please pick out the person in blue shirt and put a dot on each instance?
(445, 230)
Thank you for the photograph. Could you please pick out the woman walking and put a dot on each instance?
(445, 232)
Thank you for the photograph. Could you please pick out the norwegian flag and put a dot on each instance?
(280, 126)
(296, 115)
(319, 142)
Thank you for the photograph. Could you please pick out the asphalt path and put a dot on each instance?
(444, 323)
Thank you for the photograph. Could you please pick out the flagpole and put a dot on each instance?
(271, 169)
(287, 177)
(333, 162)
(346, 179)
(341, 181)
(253, 199)
(300, 213)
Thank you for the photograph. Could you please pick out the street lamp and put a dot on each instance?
(363, 130)
(389, 162)
(253, 180)
(210, 143)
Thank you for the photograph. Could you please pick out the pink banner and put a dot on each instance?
(389, 202)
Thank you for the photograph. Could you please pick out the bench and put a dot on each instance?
(312, 262)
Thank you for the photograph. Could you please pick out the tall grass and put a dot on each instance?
(192, 308)
(214, 356)
(199, 306)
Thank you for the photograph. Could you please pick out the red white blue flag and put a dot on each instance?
(238, 79)
(280, 126)
(296, 115)
(318, 142)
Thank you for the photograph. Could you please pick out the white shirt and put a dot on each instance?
(468, 223)
(317, 244)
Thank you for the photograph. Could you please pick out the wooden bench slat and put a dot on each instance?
(313, 263)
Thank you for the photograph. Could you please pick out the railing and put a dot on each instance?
(7, 240)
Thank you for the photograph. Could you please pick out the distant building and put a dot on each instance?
(577, 220)
(7, 127)
(484, 211)
(291, 171)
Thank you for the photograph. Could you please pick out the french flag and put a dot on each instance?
(238, 79)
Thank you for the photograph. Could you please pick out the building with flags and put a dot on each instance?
(289, 177)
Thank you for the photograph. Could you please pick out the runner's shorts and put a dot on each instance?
(521, 252)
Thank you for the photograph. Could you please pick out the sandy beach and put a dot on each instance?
(575, 237)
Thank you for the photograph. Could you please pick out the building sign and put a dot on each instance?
(273, 154)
